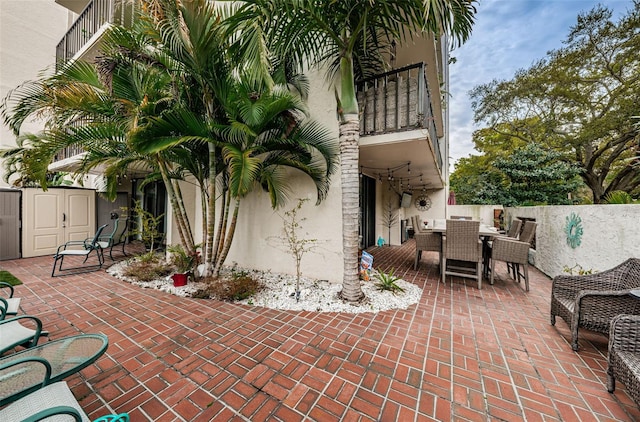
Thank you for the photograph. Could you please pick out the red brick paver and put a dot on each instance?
(459, 354)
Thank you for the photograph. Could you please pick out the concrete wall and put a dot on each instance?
(484, 213)
(610, 234)
(29, 33)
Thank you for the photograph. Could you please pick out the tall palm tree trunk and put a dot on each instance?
(183, 210)
(186, 241)
(222, 224)
(211, 210)
(349, 137)
(228, 240)
(350, 180)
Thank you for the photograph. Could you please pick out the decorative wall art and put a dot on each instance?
(423, 202)
(573, 230)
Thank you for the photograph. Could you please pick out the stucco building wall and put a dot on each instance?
(29, 33)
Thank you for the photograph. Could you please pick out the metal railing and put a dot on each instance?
(395, 101)
(71, 150)
(68, 152)
(91, 19)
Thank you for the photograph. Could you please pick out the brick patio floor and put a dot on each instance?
(460, 354)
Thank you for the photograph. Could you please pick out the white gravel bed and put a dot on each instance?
(279, 292)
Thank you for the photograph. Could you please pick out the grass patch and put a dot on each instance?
(7, 277)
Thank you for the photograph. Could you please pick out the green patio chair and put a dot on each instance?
(9, 305)
(80, 248)
(13, 333)
(50, 400)
(117, 237)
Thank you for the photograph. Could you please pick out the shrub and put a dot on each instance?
(147, 270)
(238, 286)
(388, 282)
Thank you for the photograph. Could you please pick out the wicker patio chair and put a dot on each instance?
(461, 245)
(417, 225)
(427, 242)
(528, 232)
(527, 235)
(513, 252)
(591, 301)
(514, 230)
(624, 355)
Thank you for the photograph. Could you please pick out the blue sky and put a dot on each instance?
(508, 35)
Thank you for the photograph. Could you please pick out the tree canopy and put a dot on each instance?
(578, 102)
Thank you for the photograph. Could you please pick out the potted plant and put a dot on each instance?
(184, 264)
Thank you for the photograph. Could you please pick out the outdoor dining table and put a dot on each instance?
(486, 233)
(66, 356)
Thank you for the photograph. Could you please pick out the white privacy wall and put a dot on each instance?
(610, 234)
(483, 213)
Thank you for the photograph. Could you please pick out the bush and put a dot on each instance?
(147, 270)
(238, 286)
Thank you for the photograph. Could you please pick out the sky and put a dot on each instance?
(508, 35)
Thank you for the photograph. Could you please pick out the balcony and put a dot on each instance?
(397, 123)
(91, 20)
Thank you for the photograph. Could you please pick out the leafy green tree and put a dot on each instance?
(579, 101)
(476, 182)
(536, 176)
(347, 37)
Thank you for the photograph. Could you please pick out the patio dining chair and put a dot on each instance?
(80, 248)
(417, 225)
(49, 401)
(514, 230)
(462, 250)
(9, 305)
(527, 235)
(512, 252)
(427, 242)
(13, 333)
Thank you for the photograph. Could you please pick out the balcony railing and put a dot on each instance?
(71, 150)
(396, 101)
(93, 17)
(68, 152)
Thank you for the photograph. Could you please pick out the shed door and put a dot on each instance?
(56, 216)
(9, 225)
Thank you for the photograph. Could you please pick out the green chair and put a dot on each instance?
(117, 237)
(9, 305)
(13, 333)
(49, 400)
(80, 248)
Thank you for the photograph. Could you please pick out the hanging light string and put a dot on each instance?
(398, 184)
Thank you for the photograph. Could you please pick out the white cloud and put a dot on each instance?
(508, 35)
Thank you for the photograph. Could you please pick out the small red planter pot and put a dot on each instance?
(180, 279)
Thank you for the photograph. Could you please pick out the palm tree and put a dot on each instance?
(265, 134)
(157, 96)
(346, 34)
